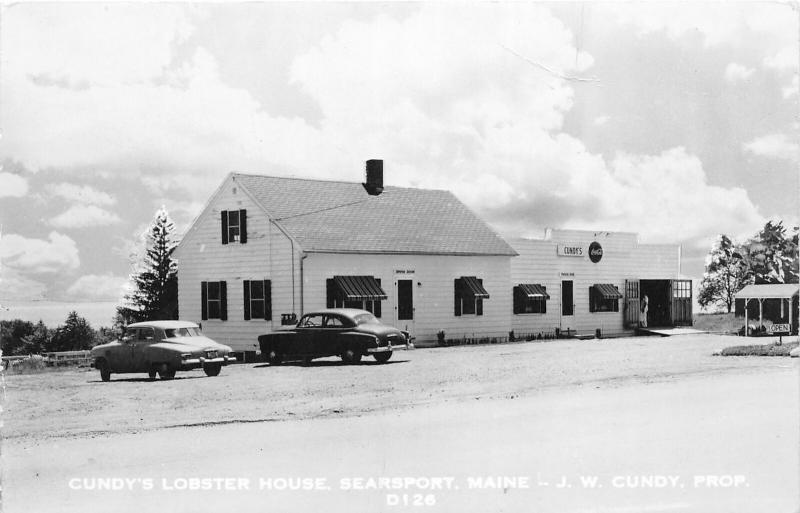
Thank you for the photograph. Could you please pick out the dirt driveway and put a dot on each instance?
(76, 403)
(563, 427)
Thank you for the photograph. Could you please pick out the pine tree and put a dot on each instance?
(75, 334)
(155, 276)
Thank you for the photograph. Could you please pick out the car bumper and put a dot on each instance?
(194, 363)
(389, 348)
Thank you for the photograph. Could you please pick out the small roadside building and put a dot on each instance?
(266, 249)
(777, 304)
(574, 281)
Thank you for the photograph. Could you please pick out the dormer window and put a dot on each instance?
(234, 226)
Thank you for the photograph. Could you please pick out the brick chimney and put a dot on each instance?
(374, 183)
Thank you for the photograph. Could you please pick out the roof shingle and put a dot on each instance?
(327, 216)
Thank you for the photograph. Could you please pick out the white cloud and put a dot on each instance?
(84, 216)
(786, 59)
(12, 185)
(601, 120)
(93, 44)
(471, 100)
(793, 89)
(15, 285)
(57, 254)
(718, 23)
(98, 287)
(666, 198)
(735, 72)
(776, 146)
(83, 194)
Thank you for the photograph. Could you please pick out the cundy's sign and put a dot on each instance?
(570, 251)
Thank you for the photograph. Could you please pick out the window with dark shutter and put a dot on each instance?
(212, 300)
(604, 297)
(361, 292)
(469, 295)
(257, 299)
(234, 226)
(530, 298)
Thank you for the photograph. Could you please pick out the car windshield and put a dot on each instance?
(182, 332)
(365, 318)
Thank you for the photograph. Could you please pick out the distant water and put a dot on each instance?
(54, 313)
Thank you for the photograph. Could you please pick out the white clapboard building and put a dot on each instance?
(585, 281)
(265, 249)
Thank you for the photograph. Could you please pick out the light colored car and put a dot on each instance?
(163, 348)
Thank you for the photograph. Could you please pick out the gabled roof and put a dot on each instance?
(775, 290)
(340, 217)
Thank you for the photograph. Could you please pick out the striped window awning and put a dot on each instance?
(607, 290)
(533, 291)
(472, 287)
(359, 288)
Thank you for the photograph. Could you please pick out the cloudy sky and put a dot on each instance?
(674, 120)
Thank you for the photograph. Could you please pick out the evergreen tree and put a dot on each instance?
(771, 255)
(155, 276)
(38, 340)
(13, 334)
(726, 273)
(75, 334)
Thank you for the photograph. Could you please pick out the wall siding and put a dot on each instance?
(203, 257)
(433, 290)
(623, 259)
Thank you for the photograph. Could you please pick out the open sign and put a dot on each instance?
(778, 328)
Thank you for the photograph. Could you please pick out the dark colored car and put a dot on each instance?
(344, 332)
(163, 348)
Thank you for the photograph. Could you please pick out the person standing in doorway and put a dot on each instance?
(643, 315)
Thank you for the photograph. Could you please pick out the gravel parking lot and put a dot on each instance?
(75, 403)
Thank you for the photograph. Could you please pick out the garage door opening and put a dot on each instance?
(657, 292)
(669, 302)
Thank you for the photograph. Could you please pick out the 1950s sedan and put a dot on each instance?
(163, 348)
(344, 332)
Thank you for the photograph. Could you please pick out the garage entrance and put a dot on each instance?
(670, 302)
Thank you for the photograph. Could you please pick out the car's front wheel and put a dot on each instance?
(383, 357)
(212, 369)
(105, 370)
(165, 371)
(274, 357)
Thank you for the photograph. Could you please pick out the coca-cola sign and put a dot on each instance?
(595, 252)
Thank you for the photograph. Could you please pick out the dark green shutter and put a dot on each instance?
(457, 294)
(224, 223)
(544, 302)
(243, 226)
(204, 300)
(223, 301)
(591, 299)
(377, 303)
(329, 292)
(246, 290)
(268, 300)
(517, 300)
(479, 302)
